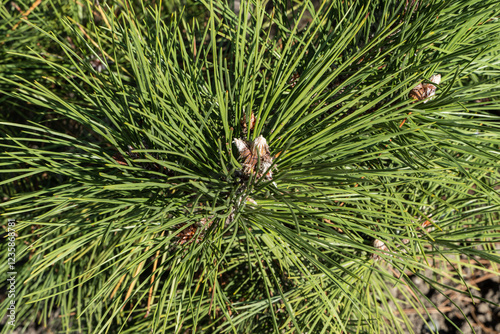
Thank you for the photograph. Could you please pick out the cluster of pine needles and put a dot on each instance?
(246, 167)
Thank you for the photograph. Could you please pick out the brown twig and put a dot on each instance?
(428, 310)
(117, 286)
(136, 274)
(16, 6)
(483, 278)
(403, 122)
(131, 287)
(25, 15)
(152, 280)
(91, 40)
(483, 327)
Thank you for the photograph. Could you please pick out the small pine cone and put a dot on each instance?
(425, 91)
(251, 152)
(380, 245)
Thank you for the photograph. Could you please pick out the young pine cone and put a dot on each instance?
(425, 91)
(251, 152)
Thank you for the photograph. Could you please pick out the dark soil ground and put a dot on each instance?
(480, 305)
